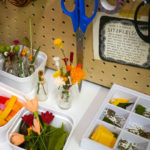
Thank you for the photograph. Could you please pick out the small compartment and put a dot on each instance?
(129, 141)
(114, 115)
(120, 98)
(143, 107)
(139, 126)
(104, 134)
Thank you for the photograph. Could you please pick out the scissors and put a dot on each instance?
(80, 22)
(145, 38)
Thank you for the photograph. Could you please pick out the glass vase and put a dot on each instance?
(42, 90)
(65, 96)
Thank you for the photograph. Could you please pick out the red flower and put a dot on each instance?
(65, 60)
(71, 57)
(47, 117)
(16, 42)
(28, 119)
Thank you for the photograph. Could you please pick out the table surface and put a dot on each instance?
(82, 111)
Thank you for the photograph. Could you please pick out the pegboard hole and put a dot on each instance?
(126, 69)
(53, 9)
(113, 75)
(63, 22)
(7, 17)
(104, 63)
(124, 78)
(43, 27)
(92, 68)
(34, 33)
(102, 71)
(115, 66)
(6, 7)
(43, 17)
(33, 4)
(44, 45)
(53, 38)
(91, 76)
(73, 44)
(33, 15)
(101, 80)
(33, 24)
(73, 35)
(43, 6)
(138, 73)
(63, 32)
(135, 82)
(43, 36)
(34, 42)
(87, 5)
(53, 19)
(148, 85)
(53, 29)
(53, 47)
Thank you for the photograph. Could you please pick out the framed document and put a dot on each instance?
(119, 42)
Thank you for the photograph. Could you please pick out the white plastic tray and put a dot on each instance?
(26, 84)
(131, 119)
(59, 118)
(8, 92)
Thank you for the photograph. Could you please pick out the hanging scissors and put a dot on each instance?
(80, 22)
(145, 38)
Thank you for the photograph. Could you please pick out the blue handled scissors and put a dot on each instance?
(80, 22)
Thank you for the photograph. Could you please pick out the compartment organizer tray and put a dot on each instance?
(131, 119)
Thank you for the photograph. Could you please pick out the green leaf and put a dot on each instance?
(124, 105)
(140, 109)
(54, 136)
(61, 141)
(35, 55)
(106, 119)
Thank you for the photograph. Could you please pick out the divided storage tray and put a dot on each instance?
(130, 120)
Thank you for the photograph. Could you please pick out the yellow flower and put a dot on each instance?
(65, 79)
(58, 42)
(56, 74)
(29, 130)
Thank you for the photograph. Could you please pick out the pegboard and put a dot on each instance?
(49, 23)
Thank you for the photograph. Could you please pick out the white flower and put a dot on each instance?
(56, 59)
(59, 81)
(6, 54)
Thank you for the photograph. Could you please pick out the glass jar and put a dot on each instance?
(65, 96)
(42, 90)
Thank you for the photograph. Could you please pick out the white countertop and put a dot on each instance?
(82, 111)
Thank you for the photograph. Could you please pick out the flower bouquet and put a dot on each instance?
(40, 129)
(19, 65)
(66, 77)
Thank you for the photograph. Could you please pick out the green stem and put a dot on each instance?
(30, 27)
(64, 56)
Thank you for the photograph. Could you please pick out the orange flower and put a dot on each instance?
(79, 66)
(17, 139)
(65, 79)
(40, 73)
(69, 67)
(36, 126)
(30, 57)
(77, 74)
(31, 105)
(42, 83)
(42, 79)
